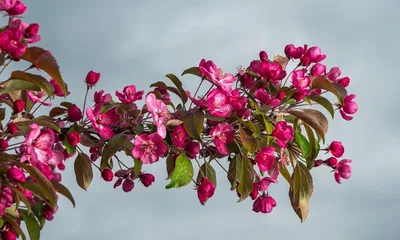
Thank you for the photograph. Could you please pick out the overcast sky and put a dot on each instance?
(138, 42)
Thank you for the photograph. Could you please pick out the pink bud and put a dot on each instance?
(205, 190)
(336, 148)
(281, 95)
(305, 61)
(345, 82)
(5, 5)
(263, 55)
(9, 235)
(74, 113)
(147, 179)
(3, 144)
(94, 157)
(118, 183)
(318, 69)
(16, 174)
(331, 161)
(12, 127)
(49, 212)
(18, 106)
(73, 139)
(318, 163)
(292, 52)
(107, 175)
(32, 30)
(19, 8)
(128, 185)
(92, 78)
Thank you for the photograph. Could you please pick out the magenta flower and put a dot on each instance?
(159, 112)
(216, 75)
(179, 137)
(205, 190)
(348, 107)
(236, 100)
(192, 149)
(247, 80)
(11, 42)
(264, 204)
(102, 121)
(300, 80)
(129, 94)
(334, 73)
(318, 69)
(265, 159)
(100, 97)
(199, 101)
(343, 170)
(92, 78)
(5, 5)
(263, 184)
(263, 96)
(336, 148)
(293, 52)
(315, 55)
(219, 104)
(283, 133)
(16, 174)
(147, 179)
(36, 97)
(57, 88)
(221, 136)
(19, 8)
(345, 81)
(268, 70)
(148, 148)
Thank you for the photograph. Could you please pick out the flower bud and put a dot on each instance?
(18, 106)
(12, 127)
(94, 157)
(344, 81)
(263, 55)
(205, 190)
(331, 162)
(19, 8)
(74, 113)
(107, 175)
(147, 179)
(32, 30)
(128, 185)
(92, 78)
(318, 163)
(8, 235)
(16, 174)
(305, 61)
(118, 183)
(336, 148)
(318, 69)
(49, 212)
(3, 144)
(73, 139)
(292, 52)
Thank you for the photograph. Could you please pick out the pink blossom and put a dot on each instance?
(219, 104)
(265, 159)
(19, 8)
(159, 112)
(247, 80)
(102, 121)
(39, 143)
(263, 184)
(315, 55)
(343, 170)
(283, 133)
(3, 144)
(300, 80)
(336, 148)
(216, 75)
(263, 96)
(36, 97)
(148, 148)
(268, 70)
(318, 69)
(205, 190)
(179, 137)
(92, 78)
(199, 101)
(31, 33)
(348, 107)
(16, 174)
(222, 135)
(5, 5)
(74, 113)
(334, 73)
(264, 204)
(293, 52)
(57, 88)
(100, 97)
(236, 100)
(11, 42)
(300, 94)
(192, 149)
(129, 94)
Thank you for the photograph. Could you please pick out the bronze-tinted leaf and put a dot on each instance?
(324, 83)
(248, 141)
(208, 172)
(323, 102)
(246, 176)
(40, 81)
(83, 171)
(193, 70)
(64, 191)
(193, 123)
(313, 118)
(178, 84)
(112, 147)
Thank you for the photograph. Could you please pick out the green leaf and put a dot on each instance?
(314, 119)
(193, 123)
(303, 144)
(40, 81)
(213, 118)
(17, 85)
(284, 172)
(208, 172)
(46, 187)
(183, 172)
(246, 176)
(83, 171)
(1, 223)
(32, 225)
(22, 197)
(111, 148)
(249, 142)
(64, 191)
(254, 128)
(314, 147)
(44, 60)
(301, 190)
(14, 225)
(323, 102)
(178, 84)
(193, 70)
(324, 83)
(66, 104)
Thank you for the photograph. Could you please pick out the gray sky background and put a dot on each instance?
(138, 42)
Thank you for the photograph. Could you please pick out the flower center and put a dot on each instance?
(148, 146)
